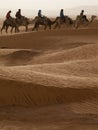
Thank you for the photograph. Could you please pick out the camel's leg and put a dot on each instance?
(45, 27)
(36, 26)
(16, 29)
(3, 27)
(11, 29)
(59, 25)
(55, 25)
(26, 28)
(73, 24)
(86, 23)
(50, 27)
(33, 28)
(6, 29)
(76, 24)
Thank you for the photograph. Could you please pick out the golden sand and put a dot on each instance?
(49, 79)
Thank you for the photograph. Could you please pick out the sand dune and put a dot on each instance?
(49, 80)
(83, 52)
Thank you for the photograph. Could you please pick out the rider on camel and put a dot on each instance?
(18, 14)
(62, 16)
(62, 13)
(8, 15)
(82, 16)
(43, 18)
(82, 13)
(40, 14)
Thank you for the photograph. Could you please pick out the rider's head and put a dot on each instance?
(82, 11)
(19, 10)
(62, 10)
(39, 10)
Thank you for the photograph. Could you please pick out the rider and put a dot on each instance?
(18, 14)
(82, 16)
(62, 16)
(40, 14)
(62, 13)
(82, 13)
(43, 18)
(8, 15)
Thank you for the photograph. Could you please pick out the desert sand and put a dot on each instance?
(49, 79)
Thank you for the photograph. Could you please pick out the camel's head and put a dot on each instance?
(93, 17)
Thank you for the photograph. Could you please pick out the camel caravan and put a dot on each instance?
(20, 20)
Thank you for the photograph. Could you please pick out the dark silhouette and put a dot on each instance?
(82, 13)
(8, 15)
(39, 21)
(40, 14)
(18, 14)
(62, 13)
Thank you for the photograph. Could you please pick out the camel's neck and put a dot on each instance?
(53, 22)
(92, 19)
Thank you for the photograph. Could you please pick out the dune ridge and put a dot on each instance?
(78, 75)
(29, 56)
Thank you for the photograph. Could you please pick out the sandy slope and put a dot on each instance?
(49, 80)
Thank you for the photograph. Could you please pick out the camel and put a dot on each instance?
(9, 23)
(66, 20)
(42, 21)
(15, 23)
(23, 22)
(83, 21)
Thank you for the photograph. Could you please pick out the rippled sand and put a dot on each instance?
(49, 80)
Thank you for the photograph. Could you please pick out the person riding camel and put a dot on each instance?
(43, 18)
(62, 16)
(8, 15)
(40, 14)
(82, 16)
(62, 13)
(82, 13)
(18, 15)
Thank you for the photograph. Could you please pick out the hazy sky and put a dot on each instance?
(48, 7)
(44, 4)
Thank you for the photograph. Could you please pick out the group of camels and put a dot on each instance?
(46, 22)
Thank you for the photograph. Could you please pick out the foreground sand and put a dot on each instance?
(49, 80)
